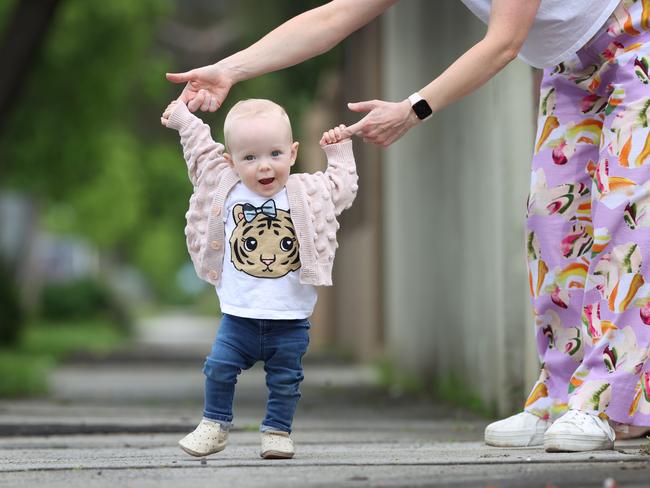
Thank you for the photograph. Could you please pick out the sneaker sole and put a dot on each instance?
(276, 455)
(573, 443)
(200, 454)
(514, 440)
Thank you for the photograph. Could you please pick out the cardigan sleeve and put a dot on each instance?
(341, 174)
(202, 154)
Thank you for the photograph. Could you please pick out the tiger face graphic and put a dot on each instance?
(263, 243)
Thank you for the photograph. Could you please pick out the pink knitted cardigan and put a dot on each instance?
(315, 200)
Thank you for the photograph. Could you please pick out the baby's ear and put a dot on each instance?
(238, 213)
(294, 152)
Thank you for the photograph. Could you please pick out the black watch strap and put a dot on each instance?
(420, 106)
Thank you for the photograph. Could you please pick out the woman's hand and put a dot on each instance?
(385, 122)
(206, 88)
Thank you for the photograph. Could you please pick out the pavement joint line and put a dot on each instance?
(36, 430)
(196, 464)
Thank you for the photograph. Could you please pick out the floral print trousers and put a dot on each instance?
(588, 226)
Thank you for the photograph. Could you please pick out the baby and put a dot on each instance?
(265, 239)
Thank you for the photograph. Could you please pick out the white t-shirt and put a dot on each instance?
(560, 28)
(261, 265)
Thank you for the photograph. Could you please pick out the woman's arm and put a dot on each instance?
(302, 37)
(509, 24)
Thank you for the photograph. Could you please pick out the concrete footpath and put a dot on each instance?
(115, 422)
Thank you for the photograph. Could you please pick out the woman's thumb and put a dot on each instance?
(366, 106)
(179, 77)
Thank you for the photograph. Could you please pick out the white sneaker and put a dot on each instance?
(276, 445)
(208, 438)
(521, 430)
(579, 431)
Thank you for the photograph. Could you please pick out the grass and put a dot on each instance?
(449, 389)
(393, 379)
(454, 390)
(24, 368)
(60, 340)
(23, 374)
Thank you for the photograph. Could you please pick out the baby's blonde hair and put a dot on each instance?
(252, 107)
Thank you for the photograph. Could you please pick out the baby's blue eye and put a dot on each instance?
(249, 157)
(275, 154)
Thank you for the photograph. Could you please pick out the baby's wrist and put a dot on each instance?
(180, 116)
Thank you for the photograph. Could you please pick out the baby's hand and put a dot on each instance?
(164, 120)
(337, 134)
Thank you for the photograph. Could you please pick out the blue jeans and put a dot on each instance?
(240, 343)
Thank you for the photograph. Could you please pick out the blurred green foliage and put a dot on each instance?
(56, 340)
(84, 136)
(23, 374)
(76, 139)
(295, 87)
(24, 369)
(83, 299)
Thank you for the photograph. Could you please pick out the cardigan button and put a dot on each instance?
(213, 275)
(217, 211)
(216, 245)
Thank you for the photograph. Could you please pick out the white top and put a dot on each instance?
(560, 28)
(262, 281)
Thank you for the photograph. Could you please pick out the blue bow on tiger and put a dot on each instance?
(267, 208)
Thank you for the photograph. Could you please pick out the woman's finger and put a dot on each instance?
(194, 104)
(354, 129)
(179, 77)
(365, 106)
(213, 104)
(205, 106)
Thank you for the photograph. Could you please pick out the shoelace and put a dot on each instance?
(583, 419)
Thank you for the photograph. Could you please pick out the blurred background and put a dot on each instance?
(430, 279)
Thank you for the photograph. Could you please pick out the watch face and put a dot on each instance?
(422, 109)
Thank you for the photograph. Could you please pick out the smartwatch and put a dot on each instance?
(420, 106)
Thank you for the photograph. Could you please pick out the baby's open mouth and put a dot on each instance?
(267, 181)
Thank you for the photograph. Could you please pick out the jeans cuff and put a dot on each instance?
(225, 424)
(267, 428)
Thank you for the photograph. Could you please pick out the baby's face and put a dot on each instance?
(262, 153)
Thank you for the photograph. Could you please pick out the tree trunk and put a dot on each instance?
(21, 42)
